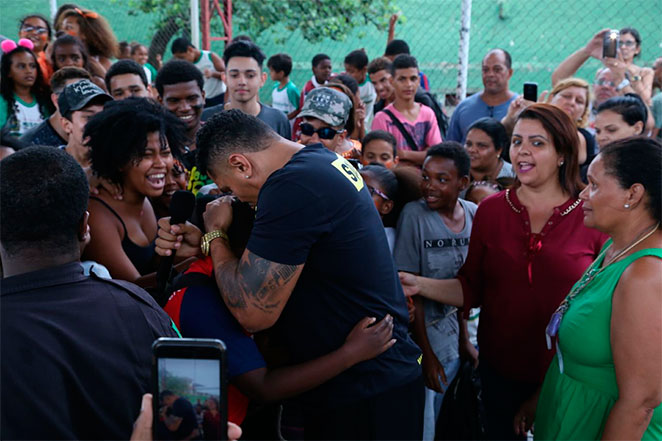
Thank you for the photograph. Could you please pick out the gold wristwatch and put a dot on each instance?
(205, 243)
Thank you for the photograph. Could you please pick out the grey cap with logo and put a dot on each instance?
(328, 105)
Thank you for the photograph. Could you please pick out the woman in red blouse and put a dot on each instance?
(528, 246)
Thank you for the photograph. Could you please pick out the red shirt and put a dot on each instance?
(519, 279)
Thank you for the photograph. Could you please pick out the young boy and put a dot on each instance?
(125, 79)
(356, 65)
(414, 125)
(211, 66)
(433, 241)
(379, 71)
(379, 147)
(285, 95)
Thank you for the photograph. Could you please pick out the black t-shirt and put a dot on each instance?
(43, 134)
(182, 408)
(317, 211)
(272, 117)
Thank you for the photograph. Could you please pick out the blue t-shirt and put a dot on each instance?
(471, 110)
(317, 211)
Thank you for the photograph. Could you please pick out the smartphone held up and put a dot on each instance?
(610, 44)
(189, 389)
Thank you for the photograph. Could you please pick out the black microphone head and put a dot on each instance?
(181, 206)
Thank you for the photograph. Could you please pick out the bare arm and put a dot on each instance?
(571, 65)
(447, 291)
(636, 332)
(412, 156)
(363, 343)
(432, 368)
(219, 67)
(391, 28)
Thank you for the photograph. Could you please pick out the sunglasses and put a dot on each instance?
(373, 191)
(37, 29)
(605, 83)
(323, 133)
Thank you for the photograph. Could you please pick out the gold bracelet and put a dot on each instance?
(205, 243)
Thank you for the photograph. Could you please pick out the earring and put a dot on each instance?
(561, 164)
(626, 206)
(247, 177)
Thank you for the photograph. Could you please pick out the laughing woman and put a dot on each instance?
(130, 145)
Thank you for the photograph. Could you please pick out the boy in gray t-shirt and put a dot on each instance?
(433, 241)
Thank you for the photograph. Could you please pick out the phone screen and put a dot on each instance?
(189, 399)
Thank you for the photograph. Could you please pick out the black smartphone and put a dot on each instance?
(189, 389)
(610, 44)
(531, 91)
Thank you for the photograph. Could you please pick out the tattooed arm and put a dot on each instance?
(254, 289)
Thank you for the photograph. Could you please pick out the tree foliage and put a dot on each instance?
(316, 19)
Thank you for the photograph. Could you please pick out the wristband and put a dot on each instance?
(623, 84)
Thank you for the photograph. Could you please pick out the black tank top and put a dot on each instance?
(140, 257)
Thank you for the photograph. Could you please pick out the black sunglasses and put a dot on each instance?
(323, 133)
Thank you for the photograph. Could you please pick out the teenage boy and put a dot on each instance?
(245, 78)
(379, 71)
(51, 132)
(492, 102)
(77, 103)
(126, 79)
(356, 65)
(179, 85)
(379, 147)
(433, 239)
(209, 64)
(400, 47)
(414, 125)
(285, 95)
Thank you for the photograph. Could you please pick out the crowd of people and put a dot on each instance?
(353, 244)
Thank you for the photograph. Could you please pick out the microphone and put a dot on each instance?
(181, 208)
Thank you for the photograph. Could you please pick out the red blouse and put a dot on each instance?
(519, 278)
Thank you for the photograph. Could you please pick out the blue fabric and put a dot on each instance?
(470, 110)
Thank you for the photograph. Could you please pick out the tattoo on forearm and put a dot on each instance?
(253, 282)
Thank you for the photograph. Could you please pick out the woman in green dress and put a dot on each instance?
(606, 380)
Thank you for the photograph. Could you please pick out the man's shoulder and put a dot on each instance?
(268, 113)
(42, 134)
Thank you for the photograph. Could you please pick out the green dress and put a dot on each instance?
(575, 404)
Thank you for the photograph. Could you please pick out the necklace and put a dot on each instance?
(518, 210)
(589, 275)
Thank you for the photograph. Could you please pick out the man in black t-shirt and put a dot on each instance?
(177, 420)
(317, 262)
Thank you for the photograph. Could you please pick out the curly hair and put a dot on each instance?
(96, 32)
(118, 134)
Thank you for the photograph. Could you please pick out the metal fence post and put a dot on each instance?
(463, 51)
(195, 23)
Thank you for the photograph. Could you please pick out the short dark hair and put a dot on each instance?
(637, 160)
(180, 45)
(60, 77)
(635, 34)
(506, 55)
(357, 58)
(454, 151)
(178, 71)
(381, 135)
(241, 37)
(397, 47)
(630, 106)
(166, 393)
(118, 134)
(228, 132)
(386, 178)
(403, 62)
(280, 63)
(43, 198)
(347, 80)
(122, 67)
(377, 64)
(42, 18)
(244, 48)
(495, 130)
(317, 59)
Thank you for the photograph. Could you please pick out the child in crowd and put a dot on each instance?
(321, 73)
(139, 54)
(36, 28)
(285, 95)
(414, 125)
(124, 50)
(357, 130)
(68, 51)
(356, 65)
(210, 64)
(433, 240)
(24, 99)
(383, 187)
(95, 32)
(379, 147)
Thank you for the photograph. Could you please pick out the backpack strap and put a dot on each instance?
(410, 141)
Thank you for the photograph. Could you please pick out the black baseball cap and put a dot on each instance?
(77, 95)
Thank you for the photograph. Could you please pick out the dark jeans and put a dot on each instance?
(502, 398)
(396, 414)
